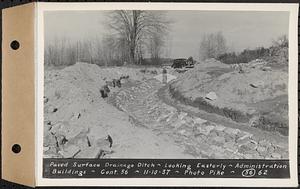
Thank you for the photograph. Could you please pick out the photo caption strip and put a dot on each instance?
(162, 168)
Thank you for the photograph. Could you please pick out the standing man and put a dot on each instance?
(164, 76)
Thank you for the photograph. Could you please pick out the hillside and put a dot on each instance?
(250, 93)
(77, 120)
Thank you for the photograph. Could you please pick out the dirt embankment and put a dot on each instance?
(78, 121)
(252, 94)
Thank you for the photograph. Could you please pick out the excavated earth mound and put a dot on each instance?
(78, 121)
(253, 94)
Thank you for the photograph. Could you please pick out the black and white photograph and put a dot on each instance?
(166, 84)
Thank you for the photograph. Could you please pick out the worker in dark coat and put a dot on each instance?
(164, 76)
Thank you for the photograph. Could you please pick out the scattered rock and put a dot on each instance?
(46, 100)
(220, 128)
(49, 140)
(220, 133)
(45, 149)
(212, 135)
(69, 151)
(244, 148)
(200, 121)
(264, 143)
(182, 132)
(229, 138)
(252, 154)
(89, 152)
(74, 131)
(231, 146)
(182, 115)
(231, 131)
(211, 96)
(252, 85)
(219, 140)
(276, 155)
(242, 141)
(261, 150)
(266, 68)
(205, 130)
(109, 83)
(218, 155)
(51, 152)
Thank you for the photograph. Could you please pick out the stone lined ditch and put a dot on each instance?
(198, 137)
(265, 122)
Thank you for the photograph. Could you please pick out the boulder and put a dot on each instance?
(200, 121)
(211, 96)
(276, 155)
(219, 140)
(89, 152)
(70, 151)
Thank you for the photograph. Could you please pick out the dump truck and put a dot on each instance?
(183, 63)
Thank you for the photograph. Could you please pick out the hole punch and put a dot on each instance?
(16, 148)
(15, 45)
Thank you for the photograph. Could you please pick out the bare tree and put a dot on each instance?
(156, 43)
(60, 52)
(281, 41)
(212, 45)
(134, 25)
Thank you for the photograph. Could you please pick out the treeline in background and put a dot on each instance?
(214, 46)
(139, 37)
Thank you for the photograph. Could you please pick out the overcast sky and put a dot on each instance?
(247, 29)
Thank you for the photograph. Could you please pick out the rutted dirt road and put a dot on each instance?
(148, 105)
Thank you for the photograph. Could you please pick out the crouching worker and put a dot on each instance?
(104, 91)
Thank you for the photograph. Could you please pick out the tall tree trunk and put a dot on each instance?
(132, 54)
(133, 36)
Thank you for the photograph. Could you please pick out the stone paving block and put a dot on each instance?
(220, 133)
(182, 115)
(231, 146)
(264, 143)
(244, 148)
(231, 131)
(213, 134)
(229, 138)
(220, 128)
(242, 141)
(262, 150)
(218, 155)
(219, 140)
(206, 149)
(200, 121)
(204, 130)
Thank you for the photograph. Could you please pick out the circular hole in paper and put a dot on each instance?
(15, 45)
(16, 148)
